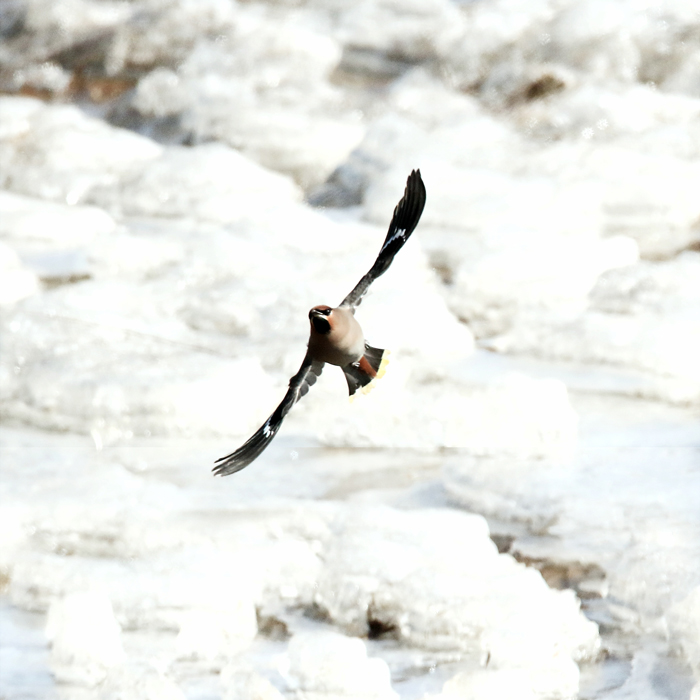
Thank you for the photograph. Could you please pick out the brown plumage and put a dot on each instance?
(335, 336)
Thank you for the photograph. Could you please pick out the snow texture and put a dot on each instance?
(181, 180)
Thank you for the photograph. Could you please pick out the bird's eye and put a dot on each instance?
(326, 312)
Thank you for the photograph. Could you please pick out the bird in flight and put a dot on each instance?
(336, 337)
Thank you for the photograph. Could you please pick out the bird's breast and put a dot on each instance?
(342, 345)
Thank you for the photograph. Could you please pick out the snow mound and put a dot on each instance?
(17, 281)
(330, 665)
(85, 638)
(434, 579)
(645, 317)
(61, 154)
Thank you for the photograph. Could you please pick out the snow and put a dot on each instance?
(329, 664)
(645, 316)
(17, 281)
(244, 682)
(148, 684)
(487, 684)
(28, 220)
(210, 182)
(181, 181)
(61, 154)
(209, 633)
(84, 637)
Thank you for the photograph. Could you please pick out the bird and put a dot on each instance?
(335, 336)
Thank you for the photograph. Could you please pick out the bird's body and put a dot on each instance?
(335, 336)
(336, 339)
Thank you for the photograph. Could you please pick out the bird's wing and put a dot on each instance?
(299, 386)
(406, 216)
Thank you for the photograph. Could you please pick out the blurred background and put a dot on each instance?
(514, 511)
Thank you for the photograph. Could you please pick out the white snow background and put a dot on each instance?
(513, 512)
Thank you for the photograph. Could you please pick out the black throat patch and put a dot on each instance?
(321, 325)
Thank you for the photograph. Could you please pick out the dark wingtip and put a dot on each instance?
(415, 176)
(243, 456)
(228, 465)
(409, 210)
(416, 185)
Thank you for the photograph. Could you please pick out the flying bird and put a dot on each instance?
(336, 337)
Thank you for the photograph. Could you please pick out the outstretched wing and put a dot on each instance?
(299, 385)
(406, 216)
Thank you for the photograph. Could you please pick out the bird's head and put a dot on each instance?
(320, 318)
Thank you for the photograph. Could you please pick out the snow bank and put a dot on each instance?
(434, 579)
(263, 86)
(241, 681)
(28, 221)
(210, 183)
(157, 289)
(488, 684)
(60, 154)
(431, 578)
(636, 542)
(176, 318)
(210, 633)
(644, 316)
(684, 629)
(323, 665)
(137, 683)
(17, 281)
(85, 638)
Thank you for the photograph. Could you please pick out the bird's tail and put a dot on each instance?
(363, 373)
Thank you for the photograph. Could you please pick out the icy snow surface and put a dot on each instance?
(513, 512)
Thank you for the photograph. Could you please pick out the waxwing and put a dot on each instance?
(336, 337)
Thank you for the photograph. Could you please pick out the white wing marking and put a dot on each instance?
(400, 233)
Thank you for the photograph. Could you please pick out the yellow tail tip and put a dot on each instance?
(382, 365)
(380, 373)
